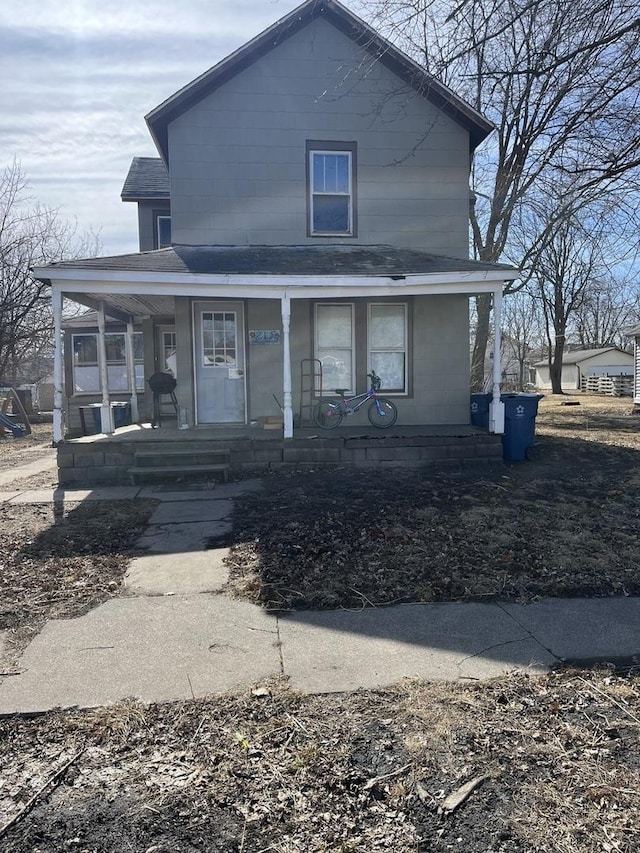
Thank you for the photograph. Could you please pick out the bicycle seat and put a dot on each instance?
(340, 391)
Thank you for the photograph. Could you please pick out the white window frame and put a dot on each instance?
(313, 193)
(390, 392)
(327, 391)
(162, 217)
(220, 364)
(139, 363)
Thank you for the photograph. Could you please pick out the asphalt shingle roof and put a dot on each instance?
(147, 179)
(329, 260)
(576, 356)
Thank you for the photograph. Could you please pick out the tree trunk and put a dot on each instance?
(483, 309)
(555, 367)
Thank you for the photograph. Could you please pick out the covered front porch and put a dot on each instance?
(244, 320)
(139, 453)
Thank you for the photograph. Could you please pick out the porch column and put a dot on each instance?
(105, 409)
(286, 368)
(496, 407)
(58, 414)
(131, 368)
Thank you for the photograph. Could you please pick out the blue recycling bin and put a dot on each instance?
(480, 410)
(520, 412)
(120, 412)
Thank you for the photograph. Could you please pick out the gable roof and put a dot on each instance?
(579, 355)
(147, 179)
(350, 25)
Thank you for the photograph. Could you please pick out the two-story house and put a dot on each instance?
(309, 207)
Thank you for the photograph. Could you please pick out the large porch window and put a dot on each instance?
(334, 338)
(86, 370)
(351, 339)
(387, 345)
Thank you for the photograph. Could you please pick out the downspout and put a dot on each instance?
(58, 414)
(496, 407)
(131, 367)
(286, 367)
(106, 424)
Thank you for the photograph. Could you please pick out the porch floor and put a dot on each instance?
(109, 459)
(170, 432)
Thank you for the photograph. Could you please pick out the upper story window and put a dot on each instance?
(162, 234)
(331, 188)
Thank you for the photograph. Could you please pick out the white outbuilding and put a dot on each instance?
(579, 364)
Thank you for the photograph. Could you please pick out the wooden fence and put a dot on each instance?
(612, 386)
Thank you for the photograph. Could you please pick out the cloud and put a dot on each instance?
(78, 77)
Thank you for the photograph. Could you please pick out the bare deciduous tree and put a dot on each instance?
(571, 262)
(30, 234)
(560, 82)
(609, 306)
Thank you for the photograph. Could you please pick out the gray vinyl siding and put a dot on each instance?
(438, 364)
(237, 158)
(146, 223)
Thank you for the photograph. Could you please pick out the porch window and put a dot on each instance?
(330, 180)
(219, 338)
(387, 344)
(86, 370)
(334, 338)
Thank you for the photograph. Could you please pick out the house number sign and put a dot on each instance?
(264, 336)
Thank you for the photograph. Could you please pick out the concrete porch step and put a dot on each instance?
(192, 456)
(138, 473)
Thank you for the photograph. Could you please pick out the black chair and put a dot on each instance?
(162, 385)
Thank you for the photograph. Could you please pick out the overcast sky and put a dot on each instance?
(78, 77)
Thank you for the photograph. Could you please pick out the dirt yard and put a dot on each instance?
(517, 765)
(566, 524)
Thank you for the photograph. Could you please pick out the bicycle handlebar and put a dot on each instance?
(376, 382)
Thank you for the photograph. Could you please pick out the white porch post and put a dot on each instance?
(496, 407)
(286, 367)
(131, 368)
(58, 414)
(105, 409)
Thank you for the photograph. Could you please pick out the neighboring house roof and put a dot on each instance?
(350, 25)
(147, 179)
(578, 356)
(633, 331)
(324, 260)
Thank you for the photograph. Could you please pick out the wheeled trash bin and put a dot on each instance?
(480, 410)
(520, 412)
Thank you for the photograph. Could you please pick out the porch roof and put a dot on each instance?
(323, 260)
(132, 284)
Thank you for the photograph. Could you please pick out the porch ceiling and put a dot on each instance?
(134, 305)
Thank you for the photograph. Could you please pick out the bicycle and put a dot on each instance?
(382, 413)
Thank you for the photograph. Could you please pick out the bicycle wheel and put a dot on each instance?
(328, 414)
(382, 413)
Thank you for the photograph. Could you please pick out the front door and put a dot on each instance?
(219, 362)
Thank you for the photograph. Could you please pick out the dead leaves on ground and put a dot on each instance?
(517, 765)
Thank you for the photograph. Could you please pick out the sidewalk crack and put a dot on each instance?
(528, 632)
(278, 645)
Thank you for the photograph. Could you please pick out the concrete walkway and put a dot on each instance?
(174, 634)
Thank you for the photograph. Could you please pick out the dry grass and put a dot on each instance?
(372, 771)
